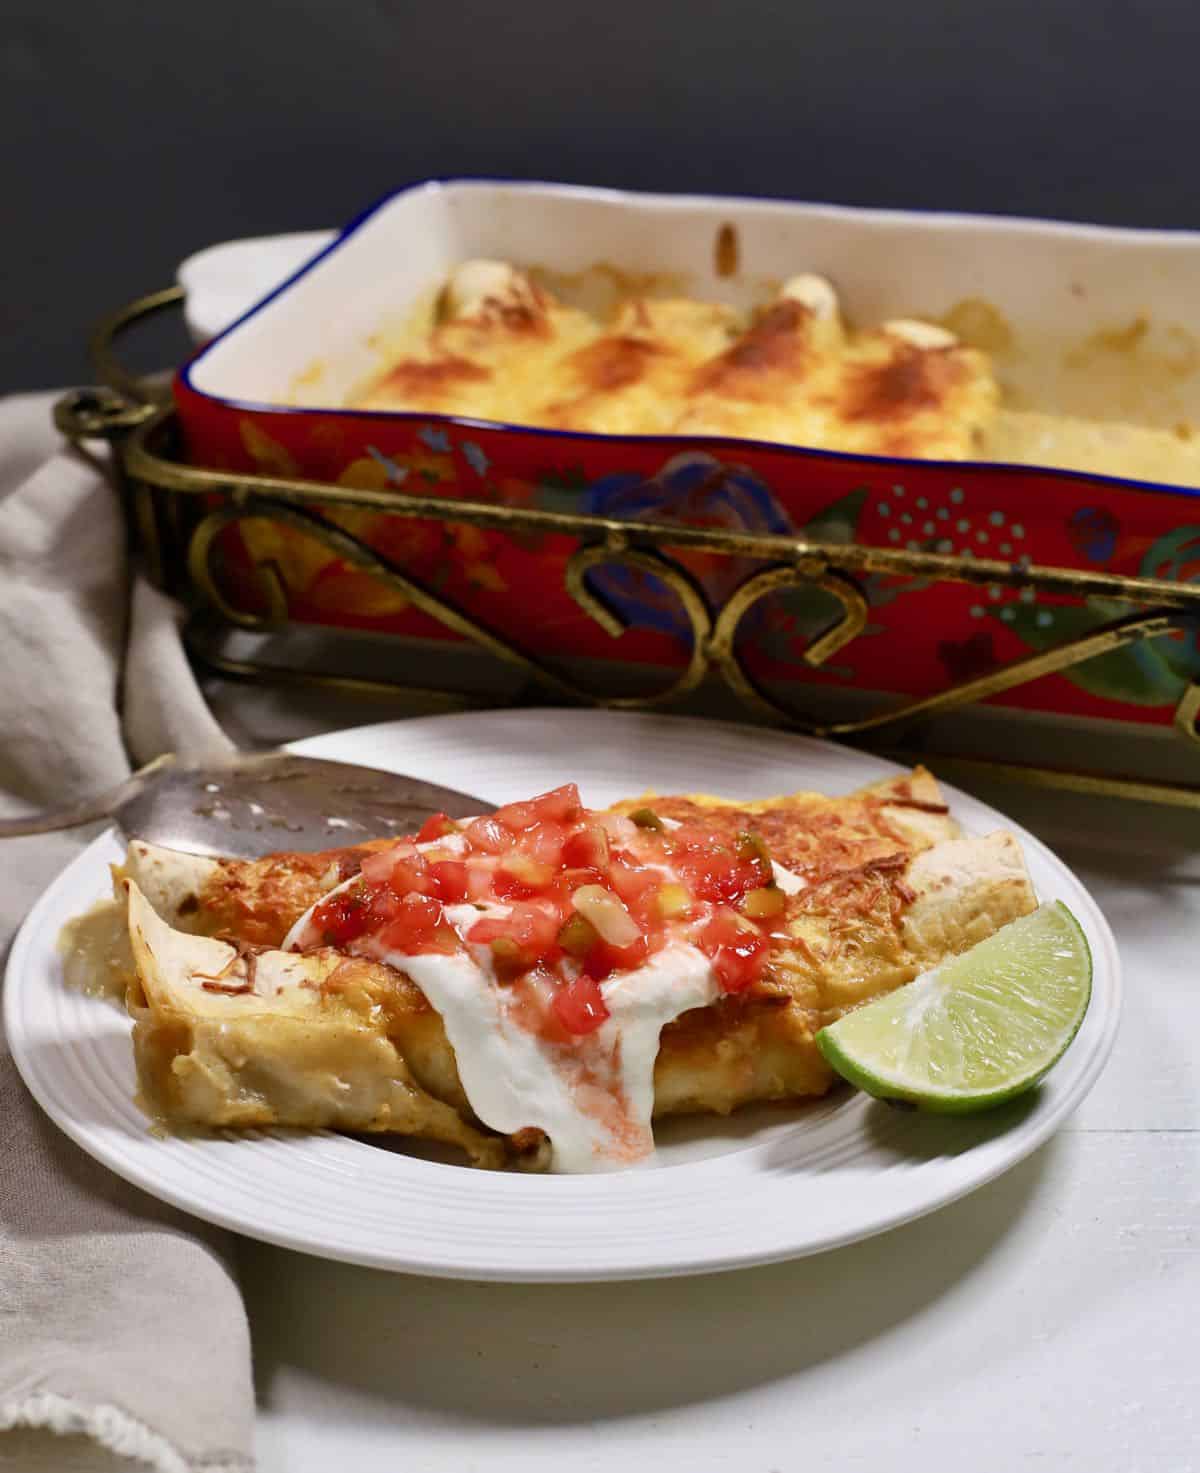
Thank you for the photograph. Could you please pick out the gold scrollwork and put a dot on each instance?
(849, 626)
(92, 414)
(1128, 630)
(677, 579)
(713, 639)
(138, 391)
(358, 554)
(266, 575)
(1187, 713)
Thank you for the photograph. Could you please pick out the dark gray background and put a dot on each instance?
(136, 132)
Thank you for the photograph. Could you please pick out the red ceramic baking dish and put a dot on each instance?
(1078, 320)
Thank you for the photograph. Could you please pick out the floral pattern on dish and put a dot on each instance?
(696, 490)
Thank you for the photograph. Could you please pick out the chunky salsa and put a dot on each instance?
(567, 896)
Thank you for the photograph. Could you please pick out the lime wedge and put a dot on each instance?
(979, 1029)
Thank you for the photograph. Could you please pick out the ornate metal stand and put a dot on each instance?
(177, 511)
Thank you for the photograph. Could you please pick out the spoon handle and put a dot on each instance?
(86, 810)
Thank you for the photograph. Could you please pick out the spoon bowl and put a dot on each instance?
(251, 804)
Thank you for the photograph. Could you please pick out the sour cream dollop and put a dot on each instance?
(556, 943)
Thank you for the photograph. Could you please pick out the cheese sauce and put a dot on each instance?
(795, 373)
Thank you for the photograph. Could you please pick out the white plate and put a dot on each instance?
(767, 1184)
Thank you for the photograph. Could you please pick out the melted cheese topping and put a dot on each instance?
(496, 338)
(505, 349)
(1109, 448)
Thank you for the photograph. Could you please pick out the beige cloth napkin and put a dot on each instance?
(123, 1339)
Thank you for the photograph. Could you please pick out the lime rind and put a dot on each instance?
(980, 1029)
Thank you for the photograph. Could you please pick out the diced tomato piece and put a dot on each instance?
(488, 929)
(567, 881)
(449, 878)
(362, 910)
(739, 879)
(702, 860)
(717, 875)
(488, 836)
(536, 928)
(533, 927)
(647, 910)
(516, 816)
(519, 876)
(410, 876)
(716, 870)
(738, 950)
(695, 837)
(436, 826)
(418, 926)
(586, 848)
(544, 843)
(629, 878)
(724, 927)
(638, 886)
(383, 904)
(479, 879)
(531, 1005)
(507, 886)
(378, 866)
(740, 965)
(343, 917)
(604, 959)
(560, 805)
(580, 1006)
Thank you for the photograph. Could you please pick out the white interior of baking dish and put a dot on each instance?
(1079, 319)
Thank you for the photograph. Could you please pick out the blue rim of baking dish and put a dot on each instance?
(699, 442)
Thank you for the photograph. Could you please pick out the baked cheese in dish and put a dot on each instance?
(537, 985)
(502, 347)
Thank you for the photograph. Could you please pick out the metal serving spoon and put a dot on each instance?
(251, 804)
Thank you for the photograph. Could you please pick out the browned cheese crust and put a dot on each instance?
(502, 347)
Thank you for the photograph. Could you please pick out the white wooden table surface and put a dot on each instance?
(1049, 1321)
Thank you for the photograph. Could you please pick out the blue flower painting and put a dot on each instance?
(694, 489)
